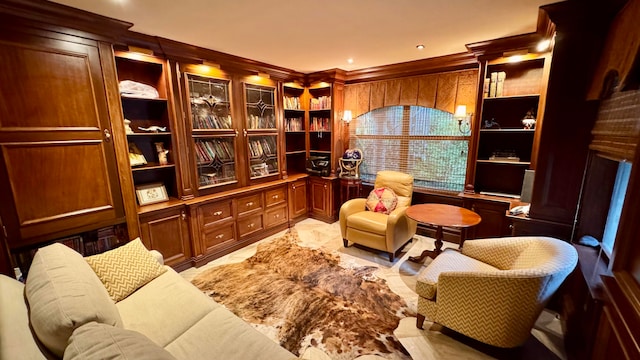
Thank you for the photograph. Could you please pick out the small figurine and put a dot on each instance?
(127, 127)
(162, 153)
(153, 128)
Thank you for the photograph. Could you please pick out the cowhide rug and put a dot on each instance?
(302, 297)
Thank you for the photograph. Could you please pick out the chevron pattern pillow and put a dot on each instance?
(125, 269)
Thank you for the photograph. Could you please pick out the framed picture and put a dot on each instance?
(151, 193)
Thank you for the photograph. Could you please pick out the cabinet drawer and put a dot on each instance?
(275, 216)
(248, 203)
(275, 196)
(214, 212)
(250, 225)
(218, 235)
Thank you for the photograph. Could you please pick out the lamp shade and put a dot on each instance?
(461, 111)
(346, 116)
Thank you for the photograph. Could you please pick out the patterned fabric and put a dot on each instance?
(125, 269)
(382, 200)
(497, 307)
(427, 280)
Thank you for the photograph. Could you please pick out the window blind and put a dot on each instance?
(421, 141)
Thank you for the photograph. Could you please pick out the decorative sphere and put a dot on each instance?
(354, 154)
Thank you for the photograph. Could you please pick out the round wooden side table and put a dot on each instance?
(350, 188)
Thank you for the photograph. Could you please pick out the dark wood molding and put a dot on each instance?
(623, 314)
(460, 61)
(545, 27)
(496, 47)
(62, 18)
(332, 76)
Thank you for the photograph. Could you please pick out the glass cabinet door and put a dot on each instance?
(260, 102)
(213, 135)
(261, 131)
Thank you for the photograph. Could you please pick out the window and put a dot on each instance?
(420, 141)
(615, 207)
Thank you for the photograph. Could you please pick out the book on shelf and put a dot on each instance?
(493, 84)
(320, 103)
(500, 83)
(293, 124)
(485, 88)
(292, 103)
(319, 124)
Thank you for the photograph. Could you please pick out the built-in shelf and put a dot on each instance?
(511, 97)
(150, 134)
(136, 98)
(508, 130)
(152, 166)
(505, 162)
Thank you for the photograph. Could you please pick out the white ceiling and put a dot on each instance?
(308, 36)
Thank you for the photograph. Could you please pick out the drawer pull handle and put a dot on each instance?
(217, 213)
(250, 203)
(293, 187)
(275, 197)
(277, 216)
(251, 225)
(219, 236)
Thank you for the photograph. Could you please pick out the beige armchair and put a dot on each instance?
(494, 289)
(379, 231)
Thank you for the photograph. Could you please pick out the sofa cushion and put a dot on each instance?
(382, 200)
(228, 337)
(165, 308)
(16, 339)
(448, 260)
(64, 293)
(95, 341)
(125, 269)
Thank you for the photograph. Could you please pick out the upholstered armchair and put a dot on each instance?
(377, 230)
(493, 290)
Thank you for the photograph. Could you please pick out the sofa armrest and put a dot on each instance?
(158, 256)
(400, 227)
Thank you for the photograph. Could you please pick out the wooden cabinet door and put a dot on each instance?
(298, 199)
(168, 232)
(322, 198)
(494, 222)
(58, 171)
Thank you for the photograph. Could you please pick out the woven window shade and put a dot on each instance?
(420, 141)
(616, 131)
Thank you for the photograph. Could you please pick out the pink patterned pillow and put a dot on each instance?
(382, 200)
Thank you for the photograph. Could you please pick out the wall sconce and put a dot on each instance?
(346, 116)
(464, 119)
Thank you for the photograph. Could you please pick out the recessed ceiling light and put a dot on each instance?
(419, 46)
(350, 60)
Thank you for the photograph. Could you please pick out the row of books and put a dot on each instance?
(319, 124)
(211, 121)
(208, 150)
(292, 103)
(225, 174)
(320, 103)
(263, 146)
(494, 84)
(262, 122)
(293, 124)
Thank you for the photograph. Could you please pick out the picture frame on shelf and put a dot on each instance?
(151, 193)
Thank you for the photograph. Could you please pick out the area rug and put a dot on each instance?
(302, 297)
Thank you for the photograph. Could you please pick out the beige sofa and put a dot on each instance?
(65, 311)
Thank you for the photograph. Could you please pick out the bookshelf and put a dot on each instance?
(320, 120)
(148, 122)
(295, 128)
(261, 131)
(213, 133)
(512, 91)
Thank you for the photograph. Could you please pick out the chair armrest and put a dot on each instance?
(497, 303)
(400, 228)
(350, 207)
(499, 252)
(158, 256)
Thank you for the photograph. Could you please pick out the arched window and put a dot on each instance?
(424, 142)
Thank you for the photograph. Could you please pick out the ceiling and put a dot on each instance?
(308, 36)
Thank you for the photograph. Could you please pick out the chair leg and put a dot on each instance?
(345, 242)
(420, 321)
(392, 256)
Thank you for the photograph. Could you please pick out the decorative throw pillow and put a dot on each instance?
(382, 200)
(99, 341)
(125, 269)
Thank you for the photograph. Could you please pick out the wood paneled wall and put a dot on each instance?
(442, 91)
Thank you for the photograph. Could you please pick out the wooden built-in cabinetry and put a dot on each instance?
(167, 231)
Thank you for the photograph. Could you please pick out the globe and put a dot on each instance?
(354, 154)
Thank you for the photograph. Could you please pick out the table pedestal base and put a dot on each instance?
(431, 253)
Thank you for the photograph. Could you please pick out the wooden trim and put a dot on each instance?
(496, 47)
(92, 26)
(460, 61)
